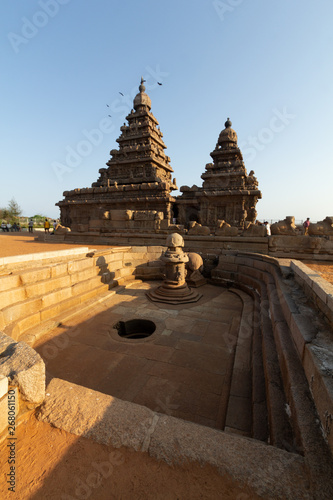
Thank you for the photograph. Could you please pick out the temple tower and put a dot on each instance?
(138, 176)
(227, 193)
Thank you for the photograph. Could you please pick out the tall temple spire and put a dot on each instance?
(138, 174)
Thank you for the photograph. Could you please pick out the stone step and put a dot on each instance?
(29, 312)
(87, 300)
(260, 429)
(281, 434)
(239, 410)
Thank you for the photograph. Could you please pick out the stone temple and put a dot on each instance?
(227, 193)
(138, 177)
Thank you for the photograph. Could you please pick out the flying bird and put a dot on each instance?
(159, 83)
(121, 94)
(110, 116)
(108, 106)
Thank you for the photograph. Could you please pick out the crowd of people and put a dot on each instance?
(8, 227)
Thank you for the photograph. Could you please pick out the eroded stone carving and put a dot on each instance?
(224, 229)
(322, 228)
(198, 229)
(59, 229)
(284, 227)
(254, 230)
(194, 267)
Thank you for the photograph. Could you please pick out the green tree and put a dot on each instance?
(14, 210)
(3, 213)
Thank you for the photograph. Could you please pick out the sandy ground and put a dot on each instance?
(55, 465)
(323, 268)
(24, 243)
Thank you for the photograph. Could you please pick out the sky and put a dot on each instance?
(265, 64)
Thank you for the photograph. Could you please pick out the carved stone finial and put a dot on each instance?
(228, 123)
(142, 88)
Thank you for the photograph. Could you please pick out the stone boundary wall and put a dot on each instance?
(281, 246)
(302, 341)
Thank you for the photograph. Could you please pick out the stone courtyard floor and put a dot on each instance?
(183, 369)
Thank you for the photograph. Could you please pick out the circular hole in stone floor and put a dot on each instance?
(135, 328)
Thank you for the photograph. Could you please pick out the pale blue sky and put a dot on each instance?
(265, 64)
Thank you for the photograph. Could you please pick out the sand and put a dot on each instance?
(55, 465)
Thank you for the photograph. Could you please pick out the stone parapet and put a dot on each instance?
(292, 247)
(302, 341)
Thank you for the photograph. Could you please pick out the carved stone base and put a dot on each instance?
(176, 295)
(196, 281)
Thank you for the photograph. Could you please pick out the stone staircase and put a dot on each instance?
(36, 295)
(285, 324)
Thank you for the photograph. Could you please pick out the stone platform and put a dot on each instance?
(184, 369)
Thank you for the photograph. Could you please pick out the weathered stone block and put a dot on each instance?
(12, 296)
(318, 365)
(329, 303)
(35, 275)
(52, 311)
(45, 287)
(83, 228)
(24, 324)
(156, 249)
(139, 249)
(25, 369)
(57, 296)
(97, 416)
(78, 265)
(58, 270)
(85, 275)
(302, 330)
(18, 311)
(84, 286)
(122, 215)
(321, 288)
(8, 282)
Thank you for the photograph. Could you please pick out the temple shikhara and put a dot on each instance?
(134, 191)
(227, 193)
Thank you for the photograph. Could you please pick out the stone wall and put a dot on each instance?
(293, 247)
(295, 335)
(37, 292)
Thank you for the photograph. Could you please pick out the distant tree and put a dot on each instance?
(4, 213)
(14, 210)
